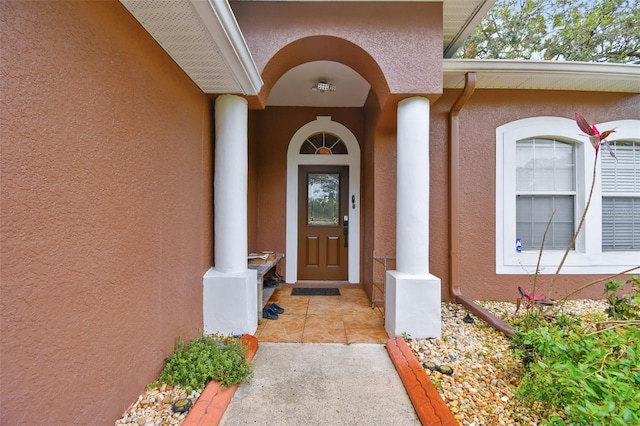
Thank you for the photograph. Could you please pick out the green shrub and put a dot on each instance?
(207, 358)
(625, 307)
(521, 344)
(593, 377)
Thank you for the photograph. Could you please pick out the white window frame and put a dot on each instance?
(588, 257)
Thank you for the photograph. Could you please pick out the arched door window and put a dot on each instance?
(323, 143)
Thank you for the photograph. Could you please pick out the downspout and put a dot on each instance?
(454, 212)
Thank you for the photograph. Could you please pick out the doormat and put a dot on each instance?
(315, 292)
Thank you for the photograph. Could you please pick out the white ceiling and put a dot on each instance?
(294, 87)
(204, 39)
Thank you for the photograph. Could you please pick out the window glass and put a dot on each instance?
(545, 186)
(323, 195)
(544, 165)
(323, 143)
(621, 197)
(532, 216)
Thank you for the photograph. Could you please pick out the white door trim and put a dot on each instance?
(295, 159)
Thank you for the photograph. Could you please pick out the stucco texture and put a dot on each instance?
(486, 110)
(394, 46)
(105, 215)
(271, 131)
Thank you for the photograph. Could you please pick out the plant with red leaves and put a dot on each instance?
(596, 138)
(531, 299)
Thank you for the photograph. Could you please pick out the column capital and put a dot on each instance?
(230, 98)
(414, 99)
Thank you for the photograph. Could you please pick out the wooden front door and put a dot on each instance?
(323, 209)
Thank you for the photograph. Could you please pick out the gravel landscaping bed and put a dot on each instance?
(485, 374)
(479, 390)
(154, 407)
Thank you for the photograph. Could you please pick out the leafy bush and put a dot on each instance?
(207, 358)
(626, 307)
(591, 376)
(521, 344)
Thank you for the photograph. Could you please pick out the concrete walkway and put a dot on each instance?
(321, 384)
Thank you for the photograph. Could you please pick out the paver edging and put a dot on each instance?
(213, 402)
(426, 400)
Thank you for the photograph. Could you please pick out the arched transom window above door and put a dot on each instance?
(323, 143)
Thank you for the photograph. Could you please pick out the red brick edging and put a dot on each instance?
(214, 400)
(426, 400)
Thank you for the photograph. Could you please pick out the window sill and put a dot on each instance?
(576, 263)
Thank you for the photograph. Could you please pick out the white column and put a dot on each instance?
(412, 296)
(230, 288)
(412, 216)
(230, 184)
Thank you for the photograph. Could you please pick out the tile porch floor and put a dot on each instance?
(347, 318)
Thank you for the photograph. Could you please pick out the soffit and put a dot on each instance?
(543, 75)
(204, 39)
(460, 17)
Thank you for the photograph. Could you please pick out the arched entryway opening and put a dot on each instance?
(324, 48)
(301, 64)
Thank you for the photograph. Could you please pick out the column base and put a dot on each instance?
(412, 305)
(230, 305)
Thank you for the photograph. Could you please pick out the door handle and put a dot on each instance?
(345, 230)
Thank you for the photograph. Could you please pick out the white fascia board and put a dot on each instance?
(470, 24)
(505, 65)
(218, 18)
(526, 69)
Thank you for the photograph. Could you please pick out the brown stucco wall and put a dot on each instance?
(105, 214)
(371, 117)
(271, 132)
(403, 39)
(486, 110)
(385, 194)
(252, 182)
